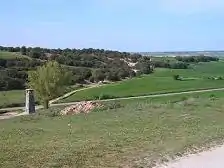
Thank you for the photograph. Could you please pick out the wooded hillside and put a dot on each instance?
(87, 65)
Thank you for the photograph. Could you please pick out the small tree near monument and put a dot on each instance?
(48, 81)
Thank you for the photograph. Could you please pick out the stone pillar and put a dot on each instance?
(30, 102)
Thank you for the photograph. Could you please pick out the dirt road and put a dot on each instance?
(208, 159)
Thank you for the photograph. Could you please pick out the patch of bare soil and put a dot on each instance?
(8, 115)
(81, 107)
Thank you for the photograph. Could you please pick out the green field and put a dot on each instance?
(135, 135)
(13, 98)
(12, 55)
(209, 69)
(172, 99)
(161, 81)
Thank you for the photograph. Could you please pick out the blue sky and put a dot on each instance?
(126, 25)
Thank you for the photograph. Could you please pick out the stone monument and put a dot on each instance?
(30, 102)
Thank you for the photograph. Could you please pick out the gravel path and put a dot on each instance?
(11, 115)
(208, 159)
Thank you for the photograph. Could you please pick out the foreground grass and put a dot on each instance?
(137, 134)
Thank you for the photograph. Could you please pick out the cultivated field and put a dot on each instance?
(161, 81)
(136, 134)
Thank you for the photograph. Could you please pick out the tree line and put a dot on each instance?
(92, 65)
(196, 59)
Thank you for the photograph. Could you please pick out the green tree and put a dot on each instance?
(23, 50)
(176, 77)
(36, 52)
(48, 81)
(98, 75)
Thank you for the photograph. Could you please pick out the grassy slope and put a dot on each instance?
(15, 97)
(111, 138)
(172, 99)
(159, 82)
(12, 55)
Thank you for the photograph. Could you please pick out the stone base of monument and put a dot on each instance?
(30, 102)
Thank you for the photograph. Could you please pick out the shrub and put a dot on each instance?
(103, 96)
(220, 78)
(176, 77)
(113, 105)
(212, 96)
(138, 74)
(184, 98)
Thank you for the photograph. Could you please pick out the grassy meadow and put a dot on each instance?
(161, 81)
(171, 99)
(12, 98)
(137, 134)
(12, 55)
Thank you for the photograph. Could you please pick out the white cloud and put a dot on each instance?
(192, 6)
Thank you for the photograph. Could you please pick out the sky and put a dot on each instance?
(124, 25)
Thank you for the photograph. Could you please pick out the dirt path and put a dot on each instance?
(11, 115)
(73, 92)
(209, 159)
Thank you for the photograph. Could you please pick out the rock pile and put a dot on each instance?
(81, 107)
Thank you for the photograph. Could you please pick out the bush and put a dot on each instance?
(138, 74)
(184, 98)
(103, 96)
(15, 83)
(113, 105)
(176, 77)
(98, 75)
(213, 97)
(112, 75)
(179, 65)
